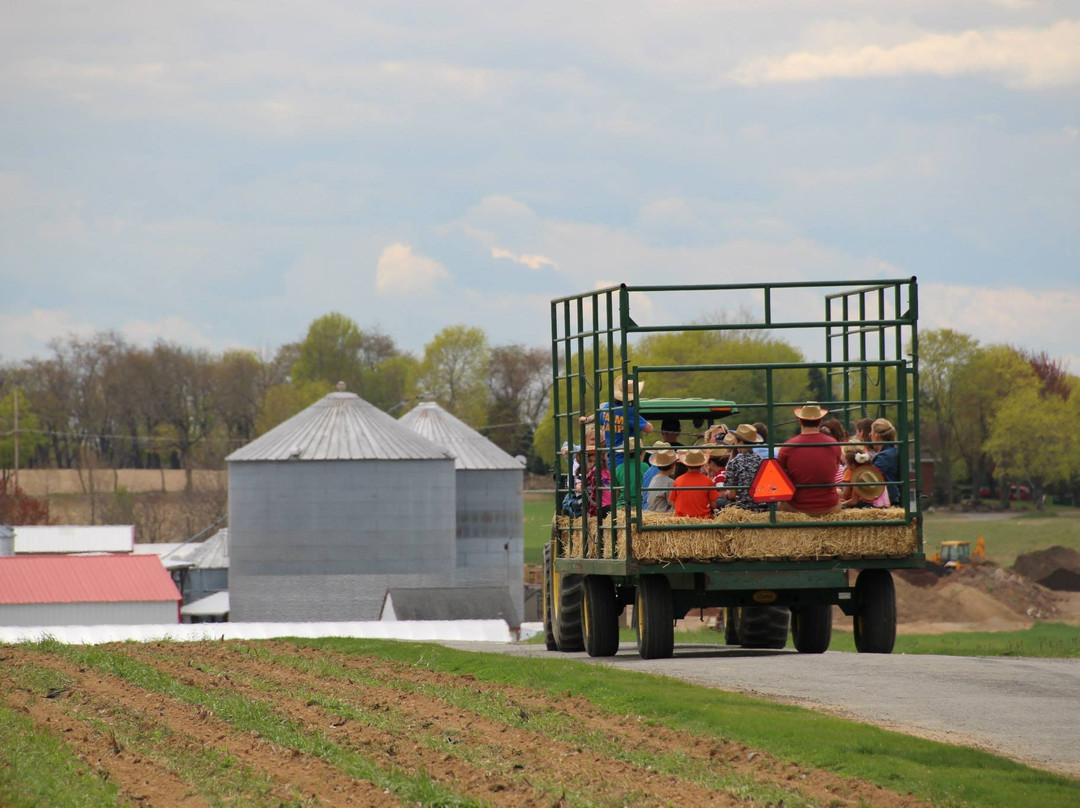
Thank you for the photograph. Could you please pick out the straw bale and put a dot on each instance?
(823, 537)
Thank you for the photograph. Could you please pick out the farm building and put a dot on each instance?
(489, 513)
(37, 539)
(333, 507)
(199, 569)
(86, 590)
(7, 540)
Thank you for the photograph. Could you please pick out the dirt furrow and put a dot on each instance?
(535, 757)
(630, 731)
(311, 777)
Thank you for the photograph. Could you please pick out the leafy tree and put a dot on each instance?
(518, 383)
(944, 355)
(979, 388)
(238, 384)
(30, 437)
(1021, 453)
(391, 383)
(186, 399)
(454, 372)
(330, 352)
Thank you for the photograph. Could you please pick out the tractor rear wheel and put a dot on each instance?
(875, 612)
(655, 617)
(566, 612)
(549, 568)
(811, 628)
(600, 616)
(763, 626)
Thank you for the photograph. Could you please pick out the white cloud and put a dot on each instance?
(1022, 57)
(172, 328)
(401, 271)
(1036, 319)
(23, 335)
(532, 261)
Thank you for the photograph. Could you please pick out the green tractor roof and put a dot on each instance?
(690, 408)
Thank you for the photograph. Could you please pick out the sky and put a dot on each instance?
(220, 174)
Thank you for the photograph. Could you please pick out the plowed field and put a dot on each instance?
(273, 723)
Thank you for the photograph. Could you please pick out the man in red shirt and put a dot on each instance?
(810, 464)
(694, 493)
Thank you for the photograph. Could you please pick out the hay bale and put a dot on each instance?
(816, 538)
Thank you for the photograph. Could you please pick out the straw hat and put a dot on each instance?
(868, 482)
(632, 391)
(663, 456)
(747, 434)
(694, 458)
(628, 446)
(810, 411)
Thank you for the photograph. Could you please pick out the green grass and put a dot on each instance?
(539, 508)
(38, 769)
(1052, 640)
(1024, 530)
(944, 774)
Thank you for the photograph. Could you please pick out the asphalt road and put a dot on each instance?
(1025, 709)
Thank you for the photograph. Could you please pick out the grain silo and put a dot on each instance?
(333, 507)
(490, 509)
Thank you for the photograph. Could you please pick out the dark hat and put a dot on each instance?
(671, 425)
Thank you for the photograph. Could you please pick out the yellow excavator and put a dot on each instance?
(957, 554)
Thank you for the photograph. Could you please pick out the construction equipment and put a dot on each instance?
(958, 554)
(772, 572)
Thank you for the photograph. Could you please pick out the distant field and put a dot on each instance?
(1006, 535)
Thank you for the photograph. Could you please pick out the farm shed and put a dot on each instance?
(489, 544)
(450, 603)
(86, 591)
(333, 507)
(7, 540)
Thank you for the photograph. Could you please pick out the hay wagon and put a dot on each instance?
(768, 570)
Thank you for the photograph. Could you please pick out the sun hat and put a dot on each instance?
(747, 434)
(694, 458)
(628, 446)
(868, 482)
(810, 411)
(632, 390)
(662, 457)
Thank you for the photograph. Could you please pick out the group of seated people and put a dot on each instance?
(826, 466)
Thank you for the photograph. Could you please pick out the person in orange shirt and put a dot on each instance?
(694, 493)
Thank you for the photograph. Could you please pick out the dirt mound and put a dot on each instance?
(1055, 568)
(1008, 587)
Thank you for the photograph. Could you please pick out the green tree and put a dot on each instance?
(944, 355)
(30, 437)
(330, 352)
(980, 386)
(454, 372)
(1020, 455)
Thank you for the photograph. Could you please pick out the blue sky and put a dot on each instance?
(220, 174)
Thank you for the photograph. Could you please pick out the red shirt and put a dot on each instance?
(811, 465)
(693, 503)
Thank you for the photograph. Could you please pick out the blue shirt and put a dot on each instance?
(613, 422)
(646, 481)
(887, 461)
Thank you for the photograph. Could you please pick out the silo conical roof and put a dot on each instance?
(470, 449)
(341, 426)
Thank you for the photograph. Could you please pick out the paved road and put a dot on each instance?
(1025, 709)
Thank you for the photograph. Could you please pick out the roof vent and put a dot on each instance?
(341, 387)
(294, 452)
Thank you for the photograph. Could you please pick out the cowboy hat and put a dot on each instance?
(867, 482)
(694, 458)
(810, 411)
(632, 390)
(747, 434)
(662, 457)
(671, 425)
(628, 446)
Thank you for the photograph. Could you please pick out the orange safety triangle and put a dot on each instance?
(771, 483)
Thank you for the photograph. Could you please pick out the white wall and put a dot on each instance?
(87, 614)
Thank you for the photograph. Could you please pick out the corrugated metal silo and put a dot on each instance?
(490, 508)
(333, 507)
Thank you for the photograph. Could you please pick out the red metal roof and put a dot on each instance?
(85, 579)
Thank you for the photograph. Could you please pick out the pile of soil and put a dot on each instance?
(1057, 568)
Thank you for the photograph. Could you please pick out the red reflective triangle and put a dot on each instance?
(771, 483)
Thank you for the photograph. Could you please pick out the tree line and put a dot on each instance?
(102, 402)
(992, 415)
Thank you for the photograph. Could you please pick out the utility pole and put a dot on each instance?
(16, 438)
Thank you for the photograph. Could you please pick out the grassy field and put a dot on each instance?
(382, 723)
(1006, 536)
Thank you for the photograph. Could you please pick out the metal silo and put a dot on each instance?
(490, 508)
(333, 507)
